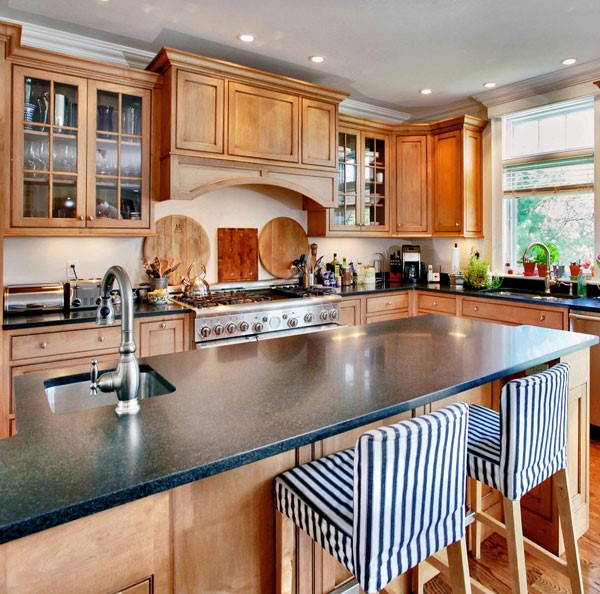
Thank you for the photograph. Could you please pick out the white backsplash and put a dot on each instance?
(44, 259)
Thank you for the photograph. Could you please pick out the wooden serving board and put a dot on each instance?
(238, 254)
(281, 241)
(180, 239)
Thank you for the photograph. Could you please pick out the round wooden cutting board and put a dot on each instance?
(281, 241)
(179, 239)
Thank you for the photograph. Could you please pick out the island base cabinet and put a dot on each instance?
(125, 549)
(224, 530)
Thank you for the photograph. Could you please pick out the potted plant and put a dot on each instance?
(540, 258)
(574, 269)
(477, 275)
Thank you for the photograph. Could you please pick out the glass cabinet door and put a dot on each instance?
(49, 178)
(118, 194)
(346, 214)
(375, 183)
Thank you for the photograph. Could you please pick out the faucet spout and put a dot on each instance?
(547, 280)
(125, 379)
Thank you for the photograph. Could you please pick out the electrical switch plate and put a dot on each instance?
(72, 266)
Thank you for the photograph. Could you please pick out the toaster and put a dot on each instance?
(85, 293)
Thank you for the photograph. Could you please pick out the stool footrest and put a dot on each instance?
(440, 562)
(530, 547)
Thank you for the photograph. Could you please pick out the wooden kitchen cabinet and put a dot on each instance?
(435, 303)
(94, 554)
(350, 311)
(388, 306)
(364, 184)
(514, 314)
(81, 145)
(457, 195)
(224, 125)
(170, 334)
(413, 185)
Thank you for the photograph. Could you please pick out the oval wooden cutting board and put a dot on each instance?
(180, 239)
(281, 241)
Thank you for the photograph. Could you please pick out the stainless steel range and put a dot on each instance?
(256, 312)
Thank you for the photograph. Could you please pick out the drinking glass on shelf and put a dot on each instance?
(101, 167)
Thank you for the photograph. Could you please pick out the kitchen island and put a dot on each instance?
(195, 467)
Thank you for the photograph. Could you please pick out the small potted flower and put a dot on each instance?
(575, 269)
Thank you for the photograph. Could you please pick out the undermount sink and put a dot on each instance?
(71, 393)
(528, 294)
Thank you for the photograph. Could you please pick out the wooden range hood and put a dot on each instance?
(223, 125)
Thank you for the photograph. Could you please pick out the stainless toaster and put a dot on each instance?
(84, 293)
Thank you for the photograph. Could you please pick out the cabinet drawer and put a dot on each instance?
(387, 303)
(512, 314)
(436, 303)
(51, 344)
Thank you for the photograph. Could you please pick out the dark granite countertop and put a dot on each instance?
(39, 320)
(237, 404)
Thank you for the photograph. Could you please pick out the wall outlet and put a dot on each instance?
(72, 266)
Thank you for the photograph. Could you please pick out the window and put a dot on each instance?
(548, 180)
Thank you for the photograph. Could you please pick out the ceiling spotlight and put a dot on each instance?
(489, 85)
(317, 59)
(425, 91)
(568, 61)
(246, 37)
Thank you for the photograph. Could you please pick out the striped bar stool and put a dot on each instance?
(515, 450)
(387, 504)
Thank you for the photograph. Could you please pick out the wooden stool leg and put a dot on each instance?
(459, 567)
(563, 500)
(516, 551)
(284, 554)
(475, 529)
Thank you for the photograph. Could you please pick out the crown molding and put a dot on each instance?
(63, 42)
(467, 106)
(539, 85)
(373, 112)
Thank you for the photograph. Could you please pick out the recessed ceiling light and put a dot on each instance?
(246, 37)
(425, 91)
(568, 61)
(489, 85)
(317, 59)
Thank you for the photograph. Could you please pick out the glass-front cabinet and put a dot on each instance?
(363, 190)
(81, 153)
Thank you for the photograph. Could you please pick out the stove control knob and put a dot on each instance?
(218, 329)
(230, 328)
(204, 332)
(293, 322)
(308, 318)
(244, 326)
(257, 327)
(323, 315)
(333, 314)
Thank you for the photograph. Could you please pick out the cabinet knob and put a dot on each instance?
(434, 303)
(475, 308)
(542, 317)
(81, 217)
(44, 345)
(389, 303)
(457, 224)
(90, 218)
(101, 338)
(163, 325)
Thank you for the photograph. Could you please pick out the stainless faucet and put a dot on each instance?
(125, 379)
(548, 282)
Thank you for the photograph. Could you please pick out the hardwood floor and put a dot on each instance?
(492, 569)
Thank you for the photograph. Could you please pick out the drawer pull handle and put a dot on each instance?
(44, 345)
(101, 338)
(163, 325)
(434, 303)
(389, 303)
(475, 308)
(542, 318)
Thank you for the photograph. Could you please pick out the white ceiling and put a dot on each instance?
(382, 52)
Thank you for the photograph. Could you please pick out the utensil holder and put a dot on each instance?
(159, 283)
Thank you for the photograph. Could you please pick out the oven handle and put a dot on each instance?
(585, 318)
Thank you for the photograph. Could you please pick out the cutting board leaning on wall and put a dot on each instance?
(179, 239)
(282, 240)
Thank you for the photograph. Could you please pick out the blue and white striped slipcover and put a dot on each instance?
(518, 448)
(389, 503)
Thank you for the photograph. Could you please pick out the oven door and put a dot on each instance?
(267, 335)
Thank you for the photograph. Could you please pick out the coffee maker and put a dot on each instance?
(411, 263)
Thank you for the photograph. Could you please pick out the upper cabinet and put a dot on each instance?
(224, 124)
(81, 146)
(363, 201)
(457, 177)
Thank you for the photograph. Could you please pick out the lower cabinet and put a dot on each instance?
(350, 312)
(125, 549)
(36, 349)
(435, 303)
(379, 307)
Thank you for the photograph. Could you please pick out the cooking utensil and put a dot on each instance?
(178, 239)
(196, 286)
(279, 243)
